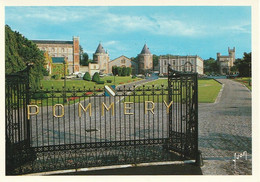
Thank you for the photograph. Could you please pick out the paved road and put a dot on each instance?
(225, 128)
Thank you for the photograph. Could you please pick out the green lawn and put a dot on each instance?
(245, 81)
(58, 84)
(208, 89)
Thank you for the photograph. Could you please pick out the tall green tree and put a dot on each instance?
(211, 66)
(244, 65)
(18, 52)
(84, 61)
(114, 70)
(124, 71)
(155, 61)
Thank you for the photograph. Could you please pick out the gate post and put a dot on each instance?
(199, 160)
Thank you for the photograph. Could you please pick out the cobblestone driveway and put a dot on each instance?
(225, 128)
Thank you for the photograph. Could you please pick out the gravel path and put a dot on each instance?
(225, 128)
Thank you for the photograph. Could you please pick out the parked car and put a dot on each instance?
(78, 74)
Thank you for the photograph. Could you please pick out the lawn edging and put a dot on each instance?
(220, 92)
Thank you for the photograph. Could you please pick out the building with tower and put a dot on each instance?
(145, 61)
(69, 50)
(124, 61)
(101, 58)
(226, 62)
(181, 63)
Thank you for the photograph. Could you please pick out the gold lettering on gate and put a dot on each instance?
(168, 106)
(148, 109)
(85, 109)
(107, 108)
(127, 108)
(28, 110)
(62, 111)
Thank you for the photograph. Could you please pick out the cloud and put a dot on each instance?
(112, 42)
(238, 28)
(51, 14)
(98, 20)
(161, 25)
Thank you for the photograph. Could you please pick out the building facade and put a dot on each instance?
(101, 58)
(123, 61)
(67, 49)
(145, 61)
(226, 62)
(181, 63)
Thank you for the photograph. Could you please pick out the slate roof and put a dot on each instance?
(100, 49)
(145, 50)
(52, 42)
(58, 60)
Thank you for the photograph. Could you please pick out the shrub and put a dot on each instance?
(109, 81)
(119, 71)
(96, 77)
(100, 82)
(124, 71)
(133, 76)
(87, 76)
(128, 71)
(114, 70)
(56, 77)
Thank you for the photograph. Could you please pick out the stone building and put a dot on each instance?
(181, 63)
(123, 61)
(101, 58)
(67, 49)
(145, 61)
(226, 62)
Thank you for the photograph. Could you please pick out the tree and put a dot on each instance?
(119, 71)
(18, 52)
(129, 71)
(87, 76)
(84, 61)
(95, 77)
(155, 61)
(244, 65)
(123, 71)
(211, 66)
(80, 52)
(114, 70)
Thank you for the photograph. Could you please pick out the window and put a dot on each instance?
(62, 49)
(165, 70)
(173, 62)
(165, 62)
(182, 62)
(123, 61)
(192, 61)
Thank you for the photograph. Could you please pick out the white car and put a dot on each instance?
(78, 74)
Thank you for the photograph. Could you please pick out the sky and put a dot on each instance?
(123, 30)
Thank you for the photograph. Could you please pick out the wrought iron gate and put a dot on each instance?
(57, 129)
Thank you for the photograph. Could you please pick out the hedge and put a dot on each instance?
(96, 77)
(100, 82)
(87, 76)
